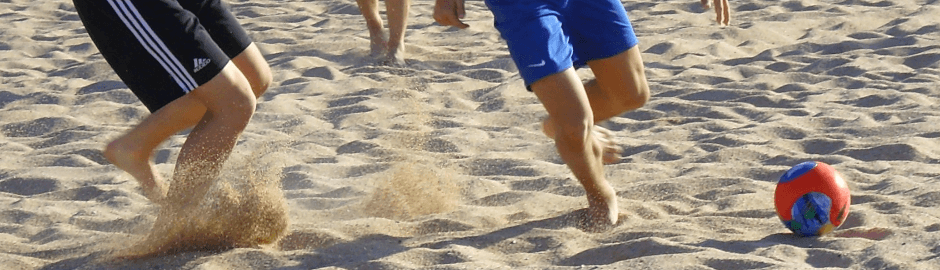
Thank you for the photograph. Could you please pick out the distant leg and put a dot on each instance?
(397, 11)
(370, 11)
(619, 84)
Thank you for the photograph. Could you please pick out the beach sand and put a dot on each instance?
(442, 165)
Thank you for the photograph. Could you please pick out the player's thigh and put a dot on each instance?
(565, 100)
(622, 74)
(255, 68)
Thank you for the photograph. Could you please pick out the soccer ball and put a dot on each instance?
(812, 199)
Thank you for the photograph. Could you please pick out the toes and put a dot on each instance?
(611, 149)
(612, 154)
(394, 62)
(606, 133)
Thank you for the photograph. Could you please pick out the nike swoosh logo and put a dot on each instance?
(538, 65)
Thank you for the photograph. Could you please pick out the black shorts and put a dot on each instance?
(162, 49)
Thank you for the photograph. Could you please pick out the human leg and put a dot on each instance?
(619, 86)
(397, 12)
(160, 76)
(131, 152)
(370, 11)
(542, 52)
(255, 68)
(606, 42)
(229, 104)
(567, 104)
(602, 136)
(228, 101)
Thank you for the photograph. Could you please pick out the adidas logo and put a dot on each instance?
(199, 63)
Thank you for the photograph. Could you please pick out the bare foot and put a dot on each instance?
(602, 136)
(127, 158)
(395, 56)
(377, 44)
(602, 206)
(600, 216)
(611, 149)
(376, 49)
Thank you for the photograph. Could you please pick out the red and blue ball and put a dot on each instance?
(812, 199)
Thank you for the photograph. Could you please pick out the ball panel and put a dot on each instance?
(797, 171)
(810, 213)
(789, 192)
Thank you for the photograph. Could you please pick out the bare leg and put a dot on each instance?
(252, 64)
(568, 106)
(619, 86)
(397, 12)
(229, 104)
(370, 11)
(131, 152)
(602, 137)
(722, 10)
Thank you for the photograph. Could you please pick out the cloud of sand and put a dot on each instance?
(412, 189)
(415, 186)
(245, 208)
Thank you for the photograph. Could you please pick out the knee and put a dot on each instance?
(630, 95)
(634, 90)
(228, 98)
(572, 133)
(244, 104)
(638, 96)
(261, 80)
(239, 115)
(238, 105)
(255, 68)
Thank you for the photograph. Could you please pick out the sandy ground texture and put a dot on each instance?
(441, 164)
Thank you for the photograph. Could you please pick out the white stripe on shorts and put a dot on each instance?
(145, 35)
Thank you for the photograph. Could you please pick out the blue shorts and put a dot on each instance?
(548, 36)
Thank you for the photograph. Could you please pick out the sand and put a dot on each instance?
(442, 165)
